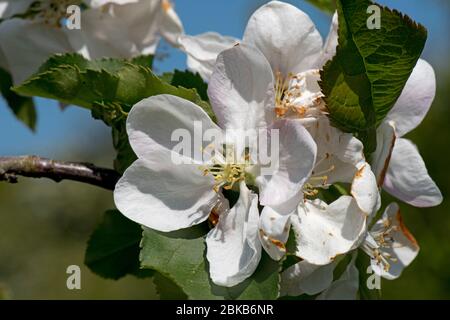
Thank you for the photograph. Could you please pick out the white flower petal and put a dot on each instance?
(27, 45)
(329, 48)
(233, 247)
(407, 177)
(121, 31)
(152, 121)
(100, 3)
(349, 149)
(404, 249)
(163, 196)
(274, 232)
(286, 36)
(170, 26)
(415, 100)
(296, 158)
(9, 8)
(339, 154)
(382, 156)
(203, 49)
(364, 189)
(346, 287)
(325, 231)
(306, 278)
(241, 89)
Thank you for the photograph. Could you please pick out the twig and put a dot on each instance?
(37, 167)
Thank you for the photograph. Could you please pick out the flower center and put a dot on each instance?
(294, 95)
(225, 169)
(225, 175)
(319, 177)
(382, 240)
(51, 12)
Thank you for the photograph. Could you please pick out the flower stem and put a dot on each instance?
(37, 167)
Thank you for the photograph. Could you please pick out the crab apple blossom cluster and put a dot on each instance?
(269, 80)
(322, 199)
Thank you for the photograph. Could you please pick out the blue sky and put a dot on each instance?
(56, 130)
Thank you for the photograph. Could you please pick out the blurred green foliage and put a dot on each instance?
(44, 228)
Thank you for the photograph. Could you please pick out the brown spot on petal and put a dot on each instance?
(405, 230)
(317, 100)
(213, 217)
(280, 245)
(280, 111)
(382, 175)
(301, 110)
(359, 173)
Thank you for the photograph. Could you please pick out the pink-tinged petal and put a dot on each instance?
(286, 36)
(407, 177)
(415, 100)
(233, 245)
(241, 89)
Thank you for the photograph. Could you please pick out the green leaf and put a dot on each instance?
(366, 76)
(145, 60)
(180, 257)
(71, 79)
(328, 6)
(189, 80)
(125, 154)
(109, 88)
(22, 107)
(166, 289)
(110, 65)
(113, 249)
